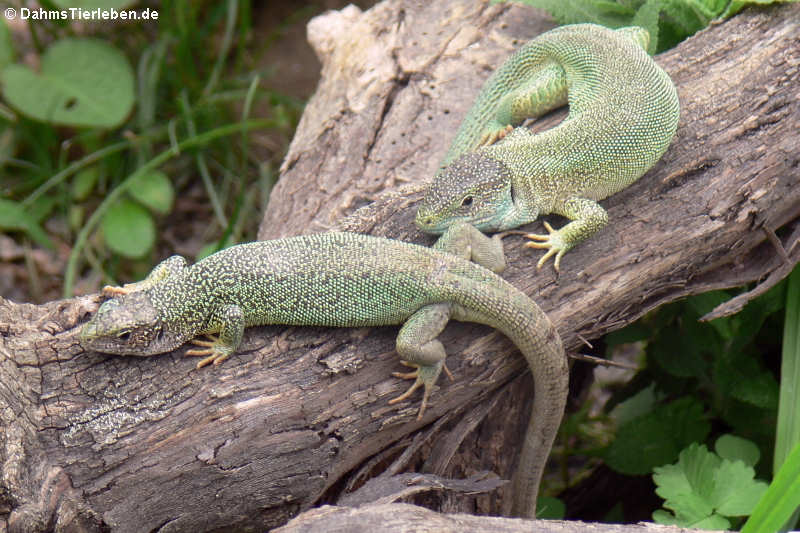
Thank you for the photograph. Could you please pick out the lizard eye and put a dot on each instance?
(466, 202)
(124, 335)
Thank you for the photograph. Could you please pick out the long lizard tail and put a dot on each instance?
(521, 320)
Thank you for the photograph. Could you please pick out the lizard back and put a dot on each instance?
(623, 114)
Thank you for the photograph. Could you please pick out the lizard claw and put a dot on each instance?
(212, 350)
(423, 376)
(553, 243)
(491, 137)
(110, 291)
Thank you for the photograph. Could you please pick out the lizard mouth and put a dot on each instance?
(428, 224)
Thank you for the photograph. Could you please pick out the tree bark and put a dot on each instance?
(94, 442)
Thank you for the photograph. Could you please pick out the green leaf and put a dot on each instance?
(154, 190)
(647, 17)
(606, 13)
(701, 488)
(737, 5)
(735, 448)
(678, 350)
(704, 303)
(8, 144)
(656, 438)
(128, 229)
(83, 183)
(83, 82)
(213, 247)
(741, 375)
(631, 333)
(6, 47)
(14, 217)
(548, 508)
(637, 405)
(735, 490)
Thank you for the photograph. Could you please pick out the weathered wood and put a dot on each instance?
(403, 518)
(93, 441)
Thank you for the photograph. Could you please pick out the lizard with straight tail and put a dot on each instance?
(348, 280)
(623, 114)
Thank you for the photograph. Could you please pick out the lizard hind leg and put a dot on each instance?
(418, 347)
(172, 266)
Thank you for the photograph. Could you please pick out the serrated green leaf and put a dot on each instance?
(736, 492)
(699, 465)
(83, 182)
(610, 14)
(647, 17)
(714, 522)
(702, 486)
(6, 47)
(128, 229)
(154, 190)
(657, 437)
(689, 508)
(735, 448)
(660, 516)
(741, 376)
(82, 83)
(14, 217)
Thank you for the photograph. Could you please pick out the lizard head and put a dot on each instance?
(128, 325)
(475, 189)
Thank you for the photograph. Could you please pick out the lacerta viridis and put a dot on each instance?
(623, 113)
(351, 280)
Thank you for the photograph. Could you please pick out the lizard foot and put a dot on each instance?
(491, 137)
(423, 375)
(110, 291)
(553, 243)
(212, 350)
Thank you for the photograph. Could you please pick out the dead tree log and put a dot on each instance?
(93, 442)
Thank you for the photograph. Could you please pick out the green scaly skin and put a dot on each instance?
(349, 280)
(623, 113)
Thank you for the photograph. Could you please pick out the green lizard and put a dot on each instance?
(350, 280)
(623, 113)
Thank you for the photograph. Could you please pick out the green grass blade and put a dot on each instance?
(781, 499)
(777, 508)
(788, 430)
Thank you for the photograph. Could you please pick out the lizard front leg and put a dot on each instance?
(418, 346)
(587, 216)
(231, 330)
(466, 241)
